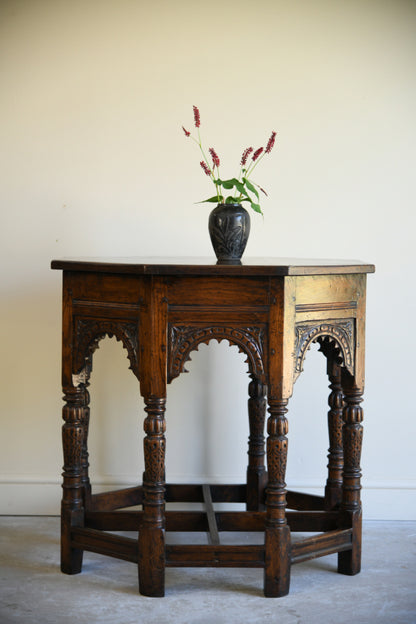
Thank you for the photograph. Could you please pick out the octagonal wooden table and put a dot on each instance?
(161, 309)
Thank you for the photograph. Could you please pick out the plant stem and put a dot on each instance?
(254, 165)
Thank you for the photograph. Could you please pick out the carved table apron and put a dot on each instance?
(161, 310)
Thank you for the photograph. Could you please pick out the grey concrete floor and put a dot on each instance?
(33, 590)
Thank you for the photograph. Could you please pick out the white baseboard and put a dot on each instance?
(23, 495)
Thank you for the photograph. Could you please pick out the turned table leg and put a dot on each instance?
(85, 479)
(256, 473)
(333, 489)
(277, 532)
(349, 562)
(74, 414)
(151, 533)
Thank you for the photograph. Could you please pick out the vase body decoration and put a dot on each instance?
(229, 227)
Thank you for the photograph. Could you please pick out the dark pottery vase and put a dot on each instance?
(229, 227)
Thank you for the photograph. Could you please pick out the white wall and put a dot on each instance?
(94, 162)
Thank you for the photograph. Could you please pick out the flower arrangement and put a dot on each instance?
(245, 190)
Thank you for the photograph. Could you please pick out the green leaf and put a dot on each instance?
(250, 187)
(240, 187)
(256, 207)
(230, 200)
(229, 184)
(213, 200)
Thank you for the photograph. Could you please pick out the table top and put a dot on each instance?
(207, 266)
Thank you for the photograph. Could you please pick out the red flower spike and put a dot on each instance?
(270, 143)
(245, 155)
(205, 167)
(186, 132)
(257, 154)
(214, 156)
(197, 117)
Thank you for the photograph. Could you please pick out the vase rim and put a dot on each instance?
(233, 204)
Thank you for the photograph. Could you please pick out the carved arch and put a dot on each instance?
(184, 339)
(336, 338)
(89, 332)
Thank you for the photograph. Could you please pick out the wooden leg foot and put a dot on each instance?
(349, 561)
(152, 563)
(277, 562)
(71, 558)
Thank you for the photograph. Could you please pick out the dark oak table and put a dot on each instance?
(161, 309)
